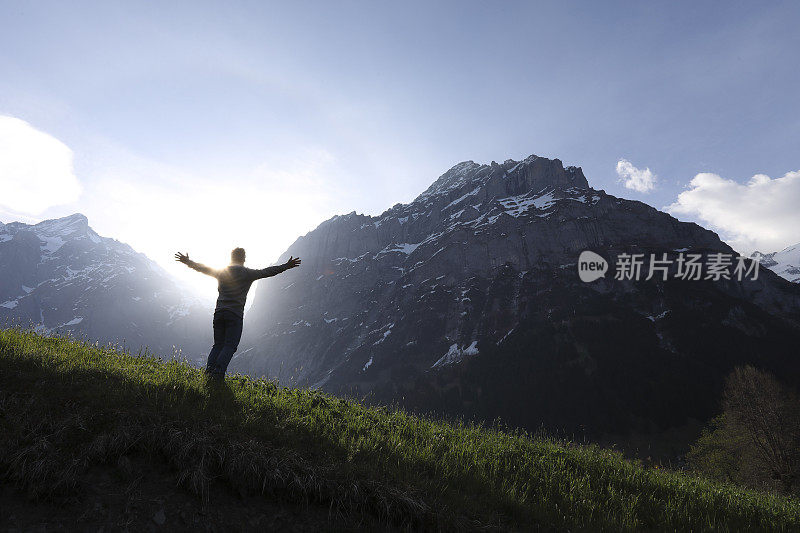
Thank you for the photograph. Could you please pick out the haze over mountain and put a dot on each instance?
(61, 276)
(467, 301)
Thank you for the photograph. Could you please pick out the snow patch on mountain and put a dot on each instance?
(517, 205)
(460, 199)
(785, 263)
(453, 179)
(52, 243)
(405, 248)
(385, 334)
(456, 355)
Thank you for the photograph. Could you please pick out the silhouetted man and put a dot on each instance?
(234, 282)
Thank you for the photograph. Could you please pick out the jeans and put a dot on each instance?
(227, 332)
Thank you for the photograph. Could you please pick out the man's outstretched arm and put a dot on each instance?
(277, 269)
(184, 258)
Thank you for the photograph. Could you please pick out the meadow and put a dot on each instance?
(67, 406)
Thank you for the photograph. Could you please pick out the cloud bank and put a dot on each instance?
(635, 178)
(35, 169)
(763, 214)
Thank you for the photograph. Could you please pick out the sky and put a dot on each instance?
(201, 126)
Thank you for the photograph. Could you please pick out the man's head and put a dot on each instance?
(237, 256)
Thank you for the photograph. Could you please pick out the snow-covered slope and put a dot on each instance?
(785, 263)
(60, 275)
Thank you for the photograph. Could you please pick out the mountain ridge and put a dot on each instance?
(785, 263)
(419, 304)
(60, 275)
(399, 306)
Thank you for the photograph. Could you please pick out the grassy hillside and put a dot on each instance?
(71, 411)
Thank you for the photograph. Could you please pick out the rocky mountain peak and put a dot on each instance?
(62, 276)
(785, 263)
(531, 174)
(52, 234)
(468, 298)
(69, 226)
(471, 188)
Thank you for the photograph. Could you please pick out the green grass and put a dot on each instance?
(67, 405)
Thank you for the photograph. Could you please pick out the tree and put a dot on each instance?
(718, 451)
(769, 415)
(756, 441)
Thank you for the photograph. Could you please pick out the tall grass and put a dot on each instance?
(65, 405)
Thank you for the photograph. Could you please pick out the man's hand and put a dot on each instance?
(183, 258)
(293, 262)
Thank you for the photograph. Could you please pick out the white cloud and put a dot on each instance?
(635, 178)
(763, 214)
(35, 169)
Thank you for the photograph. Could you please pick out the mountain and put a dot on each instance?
(785, 263)
(467, 301)
(61, 276)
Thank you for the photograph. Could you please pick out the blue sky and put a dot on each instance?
(189, 121)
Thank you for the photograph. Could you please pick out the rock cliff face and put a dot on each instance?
(61, 276)
(467, 301)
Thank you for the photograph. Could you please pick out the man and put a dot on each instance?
(234, 282)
